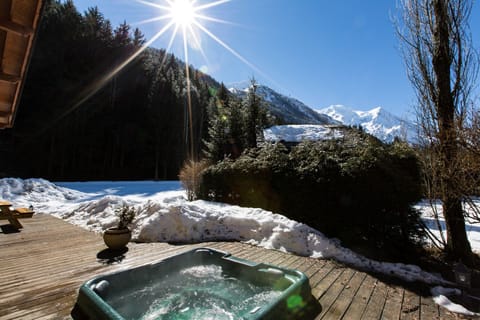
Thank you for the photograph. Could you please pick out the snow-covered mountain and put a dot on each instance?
(378, 122)
(290, 110)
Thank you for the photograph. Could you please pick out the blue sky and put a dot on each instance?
(321, 52)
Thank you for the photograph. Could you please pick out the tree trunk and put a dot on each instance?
(157, 162)
(457, 241)
(52, 156)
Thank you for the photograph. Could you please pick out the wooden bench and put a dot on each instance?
(13, 215)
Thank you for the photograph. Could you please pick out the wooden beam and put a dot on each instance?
(15, 28)
(4, 114)
(5, 105)
(4, 123)
(9, 77)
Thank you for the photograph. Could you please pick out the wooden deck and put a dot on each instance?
(43, 265)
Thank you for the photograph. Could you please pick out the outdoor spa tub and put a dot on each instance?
(198, 284)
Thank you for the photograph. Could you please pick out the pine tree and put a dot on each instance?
(122, 35)
(138, 38)
(252, 115)
(236, 128)
(217, 131)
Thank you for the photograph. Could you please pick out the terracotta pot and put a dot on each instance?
(117, 238)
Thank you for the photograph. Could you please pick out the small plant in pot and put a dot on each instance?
(117, 237)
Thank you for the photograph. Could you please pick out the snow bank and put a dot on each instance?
(198, 221)
(35, 190)
(168, 216)
(41, 194)
(172, 218)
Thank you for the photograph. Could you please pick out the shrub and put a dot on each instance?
(125, 214)
(191, 177)
(355, 188)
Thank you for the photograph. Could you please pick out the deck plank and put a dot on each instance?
(45, 263)
(339, 307)
(332, 293)
(410, 306)
(427, 310)
(393, 305)
(361, 298)
(376, 303)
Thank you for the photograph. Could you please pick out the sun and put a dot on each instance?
(185, 18)
(183, 12)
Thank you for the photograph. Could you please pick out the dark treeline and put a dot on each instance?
(77, 123)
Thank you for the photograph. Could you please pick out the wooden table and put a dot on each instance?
(6, 213)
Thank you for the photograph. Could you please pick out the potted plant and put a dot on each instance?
(117, 237)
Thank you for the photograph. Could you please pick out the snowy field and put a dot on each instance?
(473, 230)
(164, 214)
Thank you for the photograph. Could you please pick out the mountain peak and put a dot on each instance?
(290, 110)
(377, 121)
(241, 86)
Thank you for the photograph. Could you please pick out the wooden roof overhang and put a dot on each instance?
(18, 26)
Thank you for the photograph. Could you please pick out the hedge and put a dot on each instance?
(355, 188)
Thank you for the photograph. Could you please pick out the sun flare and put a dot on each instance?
(183, 12)
(185, 18)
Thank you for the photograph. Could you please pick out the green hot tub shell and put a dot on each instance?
(132, 293)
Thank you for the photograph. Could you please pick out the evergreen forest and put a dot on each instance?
(80, 120)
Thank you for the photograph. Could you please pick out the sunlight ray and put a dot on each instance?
(212, 4)
(172, 38)
(98, 85)
(164, 17)
(151, 4)
(188, 15)
(228, 48)
(170, 44)
(197, 43)
(189, 97)
(203, 17)
(139, 51)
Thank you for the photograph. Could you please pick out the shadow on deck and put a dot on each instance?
(43, 266)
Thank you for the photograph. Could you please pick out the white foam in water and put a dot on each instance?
(211, 271)
(198, 292)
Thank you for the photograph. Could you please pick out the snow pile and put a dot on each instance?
(439, 295)
(299, 133)
(172, 218)
(168, 216)
(41, 194)
(36, 190)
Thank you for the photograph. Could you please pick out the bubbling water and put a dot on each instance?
(198, 292)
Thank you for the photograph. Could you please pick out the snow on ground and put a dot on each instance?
(301, 132)
(473, 230)
(167, 216)
(440, 295)
(164, 214)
